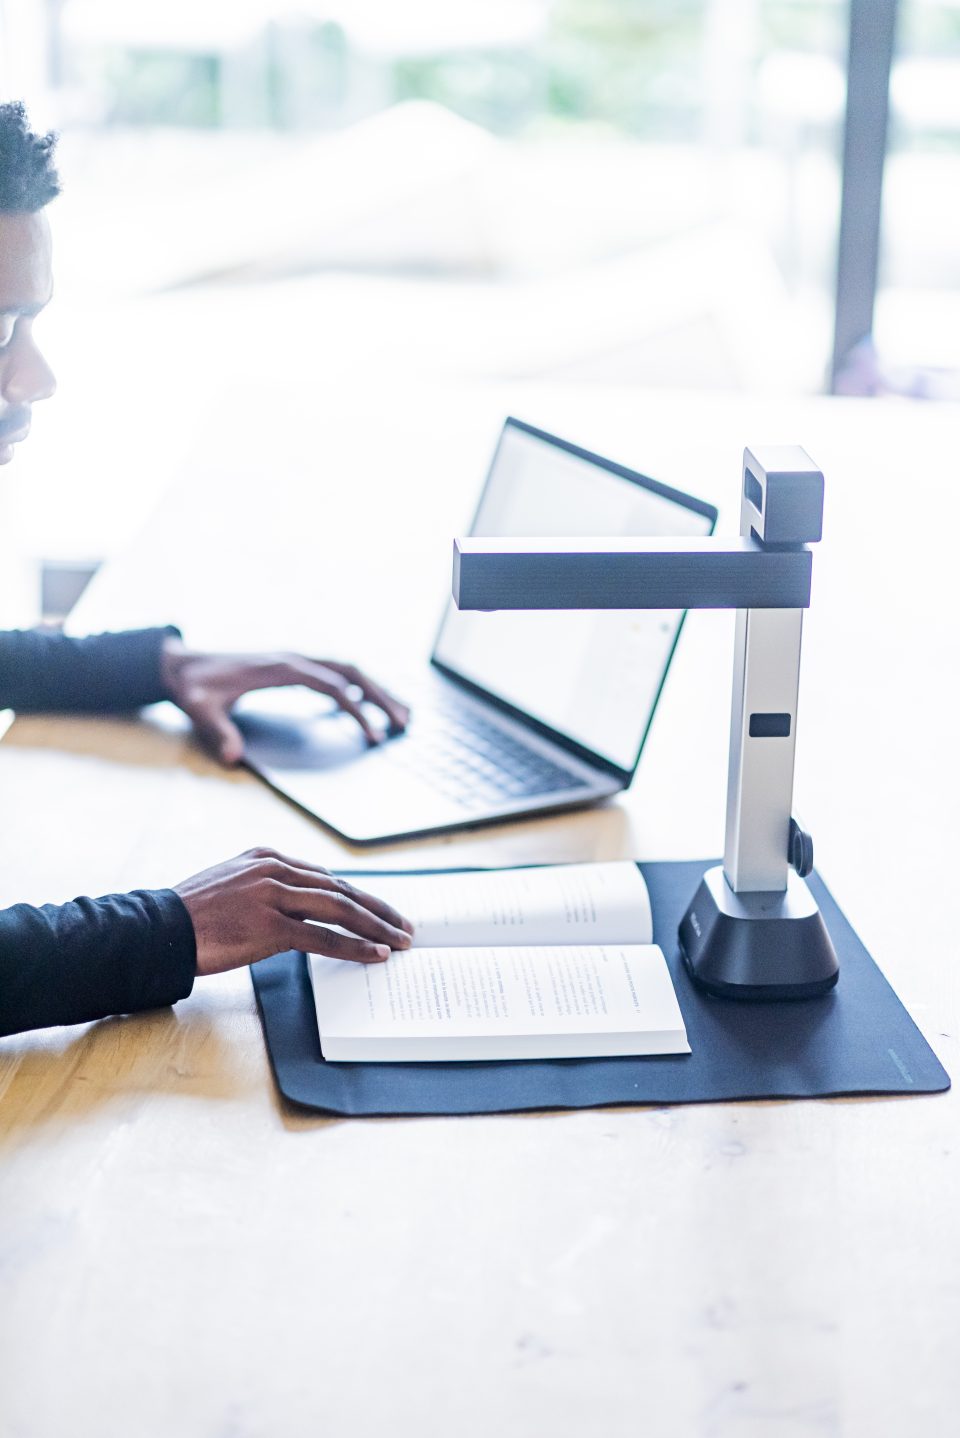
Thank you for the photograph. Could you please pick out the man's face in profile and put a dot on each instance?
(26, 283)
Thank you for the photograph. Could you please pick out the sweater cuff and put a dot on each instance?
(169, 958)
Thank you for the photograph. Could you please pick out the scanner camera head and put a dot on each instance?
(782, 498)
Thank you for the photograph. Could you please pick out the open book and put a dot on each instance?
(506, 964)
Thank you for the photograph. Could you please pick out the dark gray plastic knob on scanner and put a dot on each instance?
(800, 849)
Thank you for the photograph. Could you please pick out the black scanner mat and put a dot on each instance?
(858, 1039)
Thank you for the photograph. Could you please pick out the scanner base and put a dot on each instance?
(757, 945)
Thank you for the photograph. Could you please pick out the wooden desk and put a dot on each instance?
(180, 1254)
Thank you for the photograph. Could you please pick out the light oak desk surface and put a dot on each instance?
(180, 1254)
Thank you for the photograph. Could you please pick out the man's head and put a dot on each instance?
(28, 181)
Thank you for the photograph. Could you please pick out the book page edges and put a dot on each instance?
(485, 1048)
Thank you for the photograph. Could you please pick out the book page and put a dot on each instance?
(452, 998)
(559, 904)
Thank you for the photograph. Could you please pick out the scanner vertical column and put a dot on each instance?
(780, 502)
(762, 743)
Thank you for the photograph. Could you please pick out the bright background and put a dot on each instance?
(356, 194)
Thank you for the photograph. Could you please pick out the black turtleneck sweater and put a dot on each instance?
(67, 963)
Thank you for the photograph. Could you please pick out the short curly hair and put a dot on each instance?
(28, 176)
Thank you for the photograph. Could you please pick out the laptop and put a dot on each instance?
(516, 713)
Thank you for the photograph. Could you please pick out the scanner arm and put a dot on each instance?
(636, 572)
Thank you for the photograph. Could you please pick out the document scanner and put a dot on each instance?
(753, 929)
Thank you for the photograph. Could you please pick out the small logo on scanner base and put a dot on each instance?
(695, 924)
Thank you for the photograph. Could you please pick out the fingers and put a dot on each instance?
(304, 876)
(218, 731)
(314, 939)
(330, 682)
(397, 712)
(377, 906)
(331, 906)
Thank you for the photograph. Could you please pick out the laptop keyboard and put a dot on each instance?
(476, 763)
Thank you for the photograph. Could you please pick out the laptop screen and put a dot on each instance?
(590, 677)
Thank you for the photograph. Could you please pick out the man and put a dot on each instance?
(93, 957)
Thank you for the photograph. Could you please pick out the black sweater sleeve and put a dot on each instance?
(67, 963)
(41, 671)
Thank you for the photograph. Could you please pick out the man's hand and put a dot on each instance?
(259, 904)
(206, 686)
